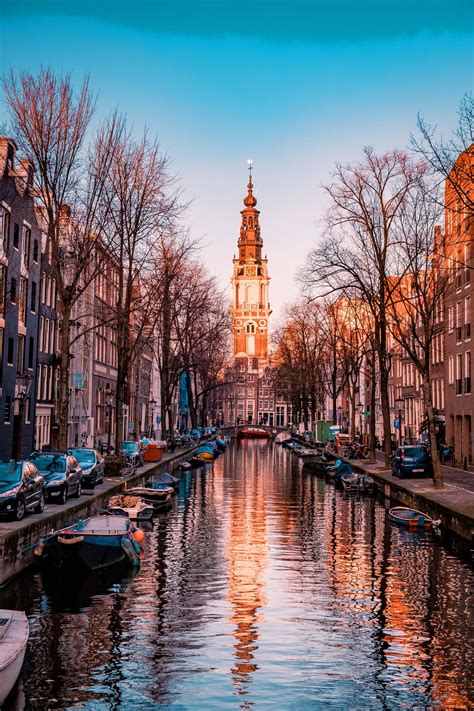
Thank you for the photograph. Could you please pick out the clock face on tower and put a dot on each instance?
(251, 271)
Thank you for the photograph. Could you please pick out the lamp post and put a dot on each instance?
(399, 405)
(22, 385)
(152, 405)
(109, 401)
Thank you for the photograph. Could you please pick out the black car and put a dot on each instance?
(62, 474)
(92, 465)
(411, 462)
(131, 450)
(21, 489)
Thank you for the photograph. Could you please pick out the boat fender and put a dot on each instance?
(70, 541)
(138, 535)
(39, 549)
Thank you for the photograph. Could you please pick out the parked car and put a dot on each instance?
(21, 489)
(62, 474)
(411, 462)
(131, 450)
(92, 465)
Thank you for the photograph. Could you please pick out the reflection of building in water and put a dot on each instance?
(403, 603)
(247, 561)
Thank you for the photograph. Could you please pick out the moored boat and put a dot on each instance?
(355, 481)
(14, 633)
(158, 495)
(165, 478)
(282, 437)
(184, 466)
(411, 518)
(132, 506)
(94, 543)
(254, 432)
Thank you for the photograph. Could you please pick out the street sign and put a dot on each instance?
(396, 424)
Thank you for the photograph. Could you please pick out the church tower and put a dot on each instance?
(250, 280)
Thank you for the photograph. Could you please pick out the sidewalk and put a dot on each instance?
(452, 476)
(453, 504)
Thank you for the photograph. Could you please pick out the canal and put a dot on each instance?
(265, 587)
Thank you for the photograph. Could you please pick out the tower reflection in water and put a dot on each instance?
(247, 560)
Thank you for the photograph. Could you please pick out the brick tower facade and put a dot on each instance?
(250, 280)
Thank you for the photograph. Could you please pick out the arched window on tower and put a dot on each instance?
(250, 223)
(250, 328)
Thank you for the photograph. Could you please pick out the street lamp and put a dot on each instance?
(399, 406)
(22, 385)
(152, 404)
(109, 401)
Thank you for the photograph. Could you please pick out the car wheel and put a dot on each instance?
(39, 508)
(62, 498)
(78, 491)
(20, 510)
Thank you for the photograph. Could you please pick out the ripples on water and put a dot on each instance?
(262, 587)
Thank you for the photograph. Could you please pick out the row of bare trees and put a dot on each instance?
(380, 272)
(106, 195)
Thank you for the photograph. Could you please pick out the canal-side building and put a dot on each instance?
(20, 257)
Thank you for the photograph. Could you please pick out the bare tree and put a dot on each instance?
(451, 159)
(50, 123)
(141, 205)
(356, 255)
(417, 304)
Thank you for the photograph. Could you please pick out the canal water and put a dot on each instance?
(263, 587)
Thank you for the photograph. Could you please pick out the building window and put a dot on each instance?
(23, 300)
(8, 410)
(467, 317)
(467, 372)
(5, 229)
(13, 290)
(33, 297)
(16, 235)
(28, 411)
(20, 361)
(31, 347)
(10, 352)
(26, 246)
(250, 328)
(467, 262)
(35, 250)
(459, 374)
(458, 322)
(3, 276)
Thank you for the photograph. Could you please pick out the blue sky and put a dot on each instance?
(293, 85)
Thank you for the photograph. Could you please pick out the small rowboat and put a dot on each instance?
(411, 518)
(357, 482)
(132, 506)
(14, 632)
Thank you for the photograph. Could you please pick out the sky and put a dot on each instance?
(294, 85)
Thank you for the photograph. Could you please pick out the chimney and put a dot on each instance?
(8, 149)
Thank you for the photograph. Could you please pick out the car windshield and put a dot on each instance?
(415, 452)
(84, 455)
(10, 472)
(131, 446)
(50, 462)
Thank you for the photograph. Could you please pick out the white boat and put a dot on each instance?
(282, 437)
(132, 506)
(14, 633)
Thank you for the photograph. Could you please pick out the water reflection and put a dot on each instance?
(262, 586)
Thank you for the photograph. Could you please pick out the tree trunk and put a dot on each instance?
(191, 403)
(387, 432)
(437, 473)
(353, 411)
(64, 366)
(373, 377)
